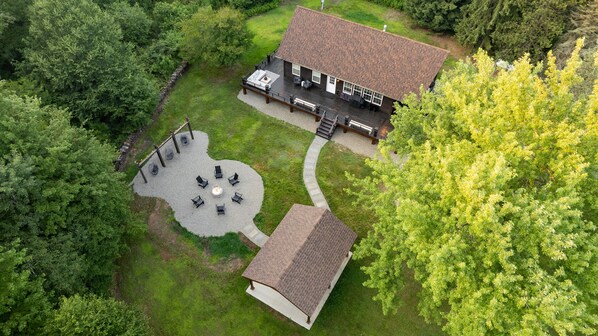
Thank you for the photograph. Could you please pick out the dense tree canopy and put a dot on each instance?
(13, 28)
(495, 210)
(75, 52)
(23, 302)
(215, 37)
(438, 15)
(60, 196)
(135, 24)
(97, 316)
(510, 28)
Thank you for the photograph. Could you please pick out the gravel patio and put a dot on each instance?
(176, 184)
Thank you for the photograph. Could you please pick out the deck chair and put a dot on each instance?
(201, 182)
(197, 201)
(237, 198)
(218, 172)
(220, 209)
(153, 168)
(234, 179)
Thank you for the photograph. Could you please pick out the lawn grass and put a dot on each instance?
(185, 291)
(193, 286)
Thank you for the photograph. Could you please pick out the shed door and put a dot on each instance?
(331, 84)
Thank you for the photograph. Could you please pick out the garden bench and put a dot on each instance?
(356, 124)
(306, 104)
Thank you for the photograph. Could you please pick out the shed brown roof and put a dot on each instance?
(380, 61)
(302, 256)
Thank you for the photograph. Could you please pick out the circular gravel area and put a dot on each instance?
(176, 184)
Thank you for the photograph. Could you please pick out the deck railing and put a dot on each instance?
(348, 122)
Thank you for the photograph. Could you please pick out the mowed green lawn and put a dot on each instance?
(185, 284)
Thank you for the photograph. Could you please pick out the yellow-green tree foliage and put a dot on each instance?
(495, 210)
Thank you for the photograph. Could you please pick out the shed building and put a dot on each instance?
(299, 265)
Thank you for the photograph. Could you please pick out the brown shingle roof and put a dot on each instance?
(380, 61)
(302, 256)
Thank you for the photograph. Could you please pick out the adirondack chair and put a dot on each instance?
(234, 179)
(220, 209)
(201, 182)
(197, 201)
(237, 198)
(218, 172)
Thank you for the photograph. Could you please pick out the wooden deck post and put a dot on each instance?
(176, 145)
(189, 126)
(141, 171)
(251, 285)
(160, 156)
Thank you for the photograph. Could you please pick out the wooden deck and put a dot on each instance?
(282, 88)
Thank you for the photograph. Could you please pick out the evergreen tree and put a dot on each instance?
(438, 15)
(510, 28)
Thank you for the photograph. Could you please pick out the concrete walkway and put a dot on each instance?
(176, 184)
(309, 173)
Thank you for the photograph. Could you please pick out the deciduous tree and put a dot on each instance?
(215, 37)
(75, 52)
(135, 24)
(13, 29)
(92, 315)
(495, 210)
(60, 196)
(23, 303)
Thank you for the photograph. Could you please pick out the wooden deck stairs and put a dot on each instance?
(326, 127)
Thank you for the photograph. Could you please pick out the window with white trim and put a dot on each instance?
(296, 70)
(348, 88)
(377, 99)
(315, 77)
(357, 90)
(367, 95)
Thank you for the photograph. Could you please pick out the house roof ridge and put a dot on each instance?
(372, 28)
